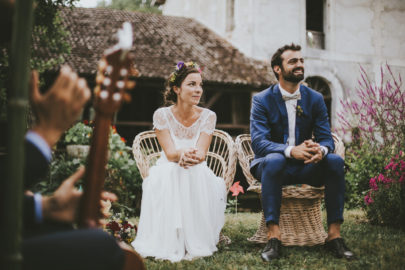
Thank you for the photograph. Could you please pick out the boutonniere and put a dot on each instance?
(300, 112)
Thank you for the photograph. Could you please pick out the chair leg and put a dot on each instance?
(261, 234)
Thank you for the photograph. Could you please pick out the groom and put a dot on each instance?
(283, 120)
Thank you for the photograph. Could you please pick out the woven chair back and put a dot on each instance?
(221, 156)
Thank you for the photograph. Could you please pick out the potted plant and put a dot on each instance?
(77, 140)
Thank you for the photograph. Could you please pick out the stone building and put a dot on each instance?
(337, 36)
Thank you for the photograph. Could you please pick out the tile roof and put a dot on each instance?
(159, 43)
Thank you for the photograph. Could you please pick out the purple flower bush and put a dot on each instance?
(374, 115)
(377, 112)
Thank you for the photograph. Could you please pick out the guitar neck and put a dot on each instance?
(95, 173)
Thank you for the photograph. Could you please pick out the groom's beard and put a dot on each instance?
(291, 77)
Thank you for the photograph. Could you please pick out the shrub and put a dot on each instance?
(386, 198)
(375, 119)
(122, 175)
(361, 164)
(78, 134)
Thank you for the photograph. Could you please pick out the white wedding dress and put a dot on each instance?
(182, 210)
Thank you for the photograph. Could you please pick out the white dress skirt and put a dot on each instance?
(182, 210)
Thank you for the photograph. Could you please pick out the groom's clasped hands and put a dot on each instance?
(190, 157)
(309, 151)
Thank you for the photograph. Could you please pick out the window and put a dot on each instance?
(315, 25)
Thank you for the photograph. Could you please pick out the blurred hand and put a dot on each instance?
(63, 205)
(105, 205)
(58, 108)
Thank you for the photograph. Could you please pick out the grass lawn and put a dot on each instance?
(375, 247)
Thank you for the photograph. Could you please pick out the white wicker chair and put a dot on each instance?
(221, 157)
(300, 213)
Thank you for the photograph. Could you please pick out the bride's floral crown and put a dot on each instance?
(180, 65)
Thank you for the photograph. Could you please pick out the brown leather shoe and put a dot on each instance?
(339, 249)
(272, 250)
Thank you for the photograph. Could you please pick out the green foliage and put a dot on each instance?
(49, 33)
(123, 177)
(122, 174)
(231, 205)
(362, 163)
(131, 5)
(386, 198)
(62, 166)
(78, 134)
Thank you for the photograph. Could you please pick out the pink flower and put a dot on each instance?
(380, 177)
(236, 188)
(373, 183)
(389, 166)
(368, 200)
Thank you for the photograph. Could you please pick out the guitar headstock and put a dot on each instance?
(114, 70)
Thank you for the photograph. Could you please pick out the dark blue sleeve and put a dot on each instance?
(322, 131)
(36, 165)
(260, 131)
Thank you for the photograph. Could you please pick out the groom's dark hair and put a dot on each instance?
(276, 59)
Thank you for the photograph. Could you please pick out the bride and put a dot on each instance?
(183, 202)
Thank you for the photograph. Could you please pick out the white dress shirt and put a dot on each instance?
(291, 106)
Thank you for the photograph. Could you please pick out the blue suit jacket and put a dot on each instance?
(269, 122)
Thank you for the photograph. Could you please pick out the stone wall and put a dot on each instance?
(369, 33)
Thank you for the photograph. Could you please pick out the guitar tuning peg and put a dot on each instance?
(104, 94)
(117, 96)
(130, 85)
(120, 84)
(123, 72)
(107, 81)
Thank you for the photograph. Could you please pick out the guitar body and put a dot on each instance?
(132, 260)
(112, 81)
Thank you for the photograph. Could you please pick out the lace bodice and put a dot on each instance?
(163, 118)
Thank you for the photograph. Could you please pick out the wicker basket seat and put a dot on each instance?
(300, 213)
(220, 158)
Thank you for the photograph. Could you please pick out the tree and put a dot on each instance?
(49, 33)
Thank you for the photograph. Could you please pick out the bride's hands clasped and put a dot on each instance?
(190, 157)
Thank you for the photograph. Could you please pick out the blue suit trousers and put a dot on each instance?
(275, 171)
